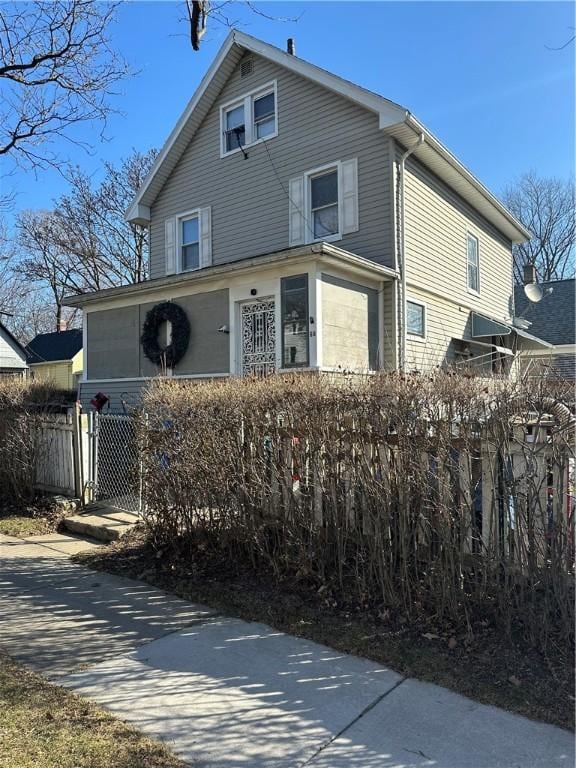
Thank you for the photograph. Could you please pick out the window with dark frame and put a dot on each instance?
(416, 319)
(294, 321)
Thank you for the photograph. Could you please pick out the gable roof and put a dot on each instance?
(50, 347)
(393, 119)
(554, 317)
(13, 342)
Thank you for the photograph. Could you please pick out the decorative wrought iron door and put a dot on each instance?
(258, 324)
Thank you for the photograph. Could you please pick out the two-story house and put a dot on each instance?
(301, 222)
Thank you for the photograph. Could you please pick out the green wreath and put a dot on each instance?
(174, 352)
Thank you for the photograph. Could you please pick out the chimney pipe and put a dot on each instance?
(291, 46)
(62, 325)
(529, 274)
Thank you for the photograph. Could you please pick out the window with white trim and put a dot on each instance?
(189, 243)
(323, 195)
(323, 203)
(473, 263)
(416, 319)
(249, 120)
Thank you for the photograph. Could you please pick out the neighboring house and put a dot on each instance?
(57, 357)
(12, 355)
(553, 319)
(302, 222)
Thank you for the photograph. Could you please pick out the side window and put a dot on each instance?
(416, 319)
(190, 244)
(473, 264)
(294, 321)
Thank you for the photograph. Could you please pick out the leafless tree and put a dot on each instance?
(546, 207)
(45, 264)
(108, 251)
(199, 11)
(84, 243)
(57, 69)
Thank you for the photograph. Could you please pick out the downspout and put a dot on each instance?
(402, 254)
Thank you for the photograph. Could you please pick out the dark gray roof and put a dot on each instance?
(553, 318)
(48, 347)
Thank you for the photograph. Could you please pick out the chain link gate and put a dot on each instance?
(116, 468)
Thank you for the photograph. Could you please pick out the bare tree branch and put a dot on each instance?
(57, 69)
(546, 207)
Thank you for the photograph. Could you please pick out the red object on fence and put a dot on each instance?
(99, 401)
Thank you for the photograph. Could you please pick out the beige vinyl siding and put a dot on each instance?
(437, 222)
(445, 320)
(59, 373)
(249, 197)
(389, 340)
(349, 325)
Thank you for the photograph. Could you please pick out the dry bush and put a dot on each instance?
(22, 405)
(439, 496)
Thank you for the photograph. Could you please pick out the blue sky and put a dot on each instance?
(480, 75)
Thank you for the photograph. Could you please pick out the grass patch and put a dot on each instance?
(479, 663)
(22, 526)
(45, 726)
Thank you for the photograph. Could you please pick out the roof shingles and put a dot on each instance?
(49, 347)
(554, 317)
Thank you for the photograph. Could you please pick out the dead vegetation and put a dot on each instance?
(436, 497)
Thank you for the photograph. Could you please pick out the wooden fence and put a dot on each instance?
(62, 454)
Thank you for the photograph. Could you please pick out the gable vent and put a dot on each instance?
(246, 67)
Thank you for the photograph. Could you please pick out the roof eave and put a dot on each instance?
(509, 225)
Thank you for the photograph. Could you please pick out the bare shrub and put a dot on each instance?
(438, 496)
(22, 405)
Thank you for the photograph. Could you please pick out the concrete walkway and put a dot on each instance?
(225, 693)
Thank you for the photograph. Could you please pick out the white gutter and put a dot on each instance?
(402, 254)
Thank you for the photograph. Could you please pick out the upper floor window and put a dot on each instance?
(190, 243)
(473, 262)
(249, 119)
(416, 319)
(324, 204)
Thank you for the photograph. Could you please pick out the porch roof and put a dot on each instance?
(325, 253)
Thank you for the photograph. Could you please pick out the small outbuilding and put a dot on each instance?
(57, 357)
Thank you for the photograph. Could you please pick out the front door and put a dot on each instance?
(258, 337)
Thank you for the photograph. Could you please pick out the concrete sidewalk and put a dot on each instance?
(224, 693)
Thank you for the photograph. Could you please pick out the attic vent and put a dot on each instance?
(246, 67)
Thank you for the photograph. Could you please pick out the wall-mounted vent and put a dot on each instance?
(246, 67)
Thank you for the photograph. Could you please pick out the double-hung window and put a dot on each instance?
(416, 319)
(324, 204)
(190, 243)
(250, 119)
(473, 264)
